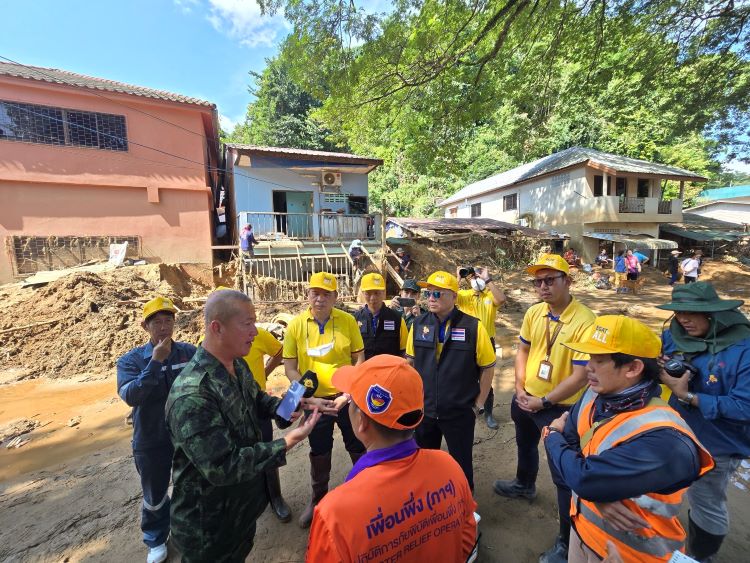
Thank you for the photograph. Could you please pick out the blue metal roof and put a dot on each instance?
(725, 193)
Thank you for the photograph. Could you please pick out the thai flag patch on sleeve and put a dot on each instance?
(389, 325)
(458, 334)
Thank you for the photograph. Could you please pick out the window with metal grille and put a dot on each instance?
(476, 209)
(31, 123)
(510, 202)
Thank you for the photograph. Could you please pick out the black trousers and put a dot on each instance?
(528, 434)
(321, 437)
(459, 436)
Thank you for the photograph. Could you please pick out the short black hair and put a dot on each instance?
(651, 368)
(621, 253)
(387, 432)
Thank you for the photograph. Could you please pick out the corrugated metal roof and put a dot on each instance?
(57, 76)
(564, 159)
(635, 242)
(306, 154)
(728, 192)
(457, 224)
(701, 228)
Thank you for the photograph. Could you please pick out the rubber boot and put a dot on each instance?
(320, 473)
(489, 403)
(702, 545)
(278, 504)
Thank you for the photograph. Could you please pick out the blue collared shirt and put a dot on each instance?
(143, 383)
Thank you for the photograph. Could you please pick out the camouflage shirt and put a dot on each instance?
(219, 459)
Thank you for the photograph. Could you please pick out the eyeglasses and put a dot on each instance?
(432, 293)
(548, 281)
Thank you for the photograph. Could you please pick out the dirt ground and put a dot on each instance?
(71, 493)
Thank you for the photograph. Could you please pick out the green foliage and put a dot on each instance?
(448, 92)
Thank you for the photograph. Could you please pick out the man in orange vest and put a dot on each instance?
(399, 502)
(625, 453)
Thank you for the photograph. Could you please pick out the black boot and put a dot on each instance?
(320, 473)
(278, 504)
(702, 545)
(489, 403)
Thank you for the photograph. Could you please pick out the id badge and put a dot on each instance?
(545, 371)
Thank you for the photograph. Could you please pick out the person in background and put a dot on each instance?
(620, 432)
(690, 266)
(404, 262)
(409, 290)
(674, 266)
(633, 265)
(621, 272)
(642, 258)
(602, 259)
(247, 241)
(482, 301)
(571, 257)
(144, 377)
(394, 477)
(713, 335)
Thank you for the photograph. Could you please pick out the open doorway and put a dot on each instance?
(294, 213)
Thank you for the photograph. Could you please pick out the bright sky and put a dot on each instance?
(200, 48)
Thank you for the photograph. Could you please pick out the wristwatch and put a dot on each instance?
(477, 410)
(547, 430)
(546, 403)
(688, 400)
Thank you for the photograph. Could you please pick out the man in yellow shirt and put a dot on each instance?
(482, 301)
(452, 353)
(549, 379)
(321, 340)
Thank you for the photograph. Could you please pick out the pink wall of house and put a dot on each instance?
(73, 191)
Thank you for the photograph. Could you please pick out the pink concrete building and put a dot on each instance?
(86, 161)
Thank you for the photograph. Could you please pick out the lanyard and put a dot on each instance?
(551, 340)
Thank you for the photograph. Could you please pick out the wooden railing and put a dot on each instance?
(309, 226)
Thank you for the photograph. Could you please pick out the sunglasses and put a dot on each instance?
(434, 294)
(548, 281)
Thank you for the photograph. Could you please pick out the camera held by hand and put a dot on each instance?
(677, 367)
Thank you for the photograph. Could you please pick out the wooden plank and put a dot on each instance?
(394, 274)
(346, 253)
(328, 260)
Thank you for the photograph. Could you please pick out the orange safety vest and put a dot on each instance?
(666, 534)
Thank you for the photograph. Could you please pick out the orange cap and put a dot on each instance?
(385, 388)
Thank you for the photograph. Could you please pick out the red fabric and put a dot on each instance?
(377, 516)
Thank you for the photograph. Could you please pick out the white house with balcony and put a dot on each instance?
(305, 207)
(591, 195)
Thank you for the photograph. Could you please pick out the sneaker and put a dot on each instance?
(157, 554)
(514, 489)
(558, 553)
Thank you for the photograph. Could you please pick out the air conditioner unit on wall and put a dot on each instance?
(330, 180)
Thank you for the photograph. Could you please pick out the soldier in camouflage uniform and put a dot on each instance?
(219, 464)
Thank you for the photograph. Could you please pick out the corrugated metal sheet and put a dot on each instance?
(305, 154)
(635, 242)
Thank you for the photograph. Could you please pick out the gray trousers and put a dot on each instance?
(708, 497)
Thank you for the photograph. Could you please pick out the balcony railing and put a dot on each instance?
(632, 205)
(310, 226)
(665, 207)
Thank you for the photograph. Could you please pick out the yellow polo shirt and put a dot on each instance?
(303, 332)
(263, 345)
(485, 353)
(480, 305)
(576, 320)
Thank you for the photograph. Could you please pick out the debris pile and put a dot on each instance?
(83, 322)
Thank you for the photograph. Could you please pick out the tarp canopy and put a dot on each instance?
(635, 242)
(702, 235)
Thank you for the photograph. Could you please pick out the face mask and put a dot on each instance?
(319, 351)
(478, 284)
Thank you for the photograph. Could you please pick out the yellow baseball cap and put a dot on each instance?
(617, 333)
(549, 261)
(373, 281)
(156, 305)
(323, 280)
(441, 279)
